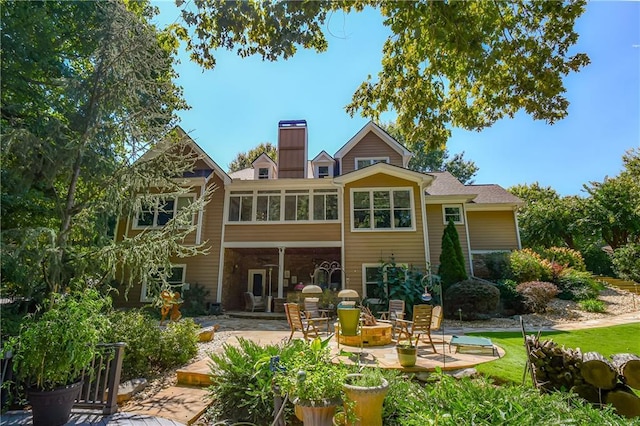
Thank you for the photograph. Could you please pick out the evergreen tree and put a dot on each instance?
(452, 269)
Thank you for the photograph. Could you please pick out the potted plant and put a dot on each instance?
(407, 353)
(313, 383)
(53, 350)
(364, 396)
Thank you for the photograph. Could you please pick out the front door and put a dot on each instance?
(256, 282)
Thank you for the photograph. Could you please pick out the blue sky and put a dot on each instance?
(239, 103)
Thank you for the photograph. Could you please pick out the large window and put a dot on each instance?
(296, 205)
(268, 206)
(325, 204)
(364, 162)
(452, 212)
(151, 288)
(158, 213)
(241, 206)
(382, 209)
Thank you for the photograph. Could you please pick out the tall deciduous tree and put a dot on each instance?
(243, 160)
(86, 89)
(427, 159)
(464, 64)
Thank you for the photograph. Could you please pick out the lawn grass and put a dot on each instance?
(605, 340)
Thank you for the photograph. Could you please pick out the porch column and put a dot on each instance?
(281, 272)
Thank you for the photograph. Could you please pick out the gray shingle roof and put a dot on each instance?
(447, 184)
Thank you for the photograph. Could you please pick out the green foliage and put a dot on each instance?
(577, 285)
(511, 302)
(626, 262)
(367, 378)
(475, 299)
(498, 264)
(527, 265)
(150, 349)
(399, 282)
(537, 294)
(444, 64)
(244, 160)
(53, 349)
(195, 301)
(452, 269)
(596, 260)
(593, 305)
(434, 160)
(564, 256)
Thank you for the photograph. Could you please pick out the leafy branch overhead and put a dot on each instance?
(462, 64)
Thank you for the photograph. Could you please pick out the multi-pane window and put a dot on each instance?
(382, 209)
(371, 275)
(263, 173)
(323, 171)
(241, 206)
(160, 212)
(453, 213)
(325, 204)
(151, 288)
(296, 205)
(268, 206)
(364, 162)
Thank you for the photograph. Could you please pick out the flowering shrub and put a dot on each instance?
(537, 294)
(527, 265)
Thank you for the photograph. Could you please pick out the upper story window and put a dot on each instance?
(454, 213)
(323, 171)
(263, 173)
(268, 206)
(362, 162)
(296, 205)
(325, 204)
(241, 206)
(382, 209)
(160, 212)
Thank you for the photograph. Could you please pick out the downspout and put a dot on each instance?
(466, 227)
(341, 219)
(225, 214)
(515, 218)
(425, 237)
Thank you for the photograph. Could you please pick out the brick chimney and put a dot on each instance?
(292, 149)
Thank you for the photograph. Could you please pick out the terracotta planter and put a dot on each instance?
(53, 408)
(367, 401)
(407, 356)
(316, 413)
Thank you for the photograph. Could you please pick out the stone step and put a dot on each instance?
(196, 374)
(184, 404)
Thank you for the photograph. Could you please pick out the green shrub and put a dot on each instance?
(497, 264)
(593, 305)
(564, 256)
(526, 265)
(626, 262)
(537, 294)
(475, 299)
(577, 285)
(178, 343)
(511, 302)
(194, 301)
(597, 261)
(452, 268)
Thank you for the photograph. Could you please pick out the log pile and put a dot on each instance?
(590, 375)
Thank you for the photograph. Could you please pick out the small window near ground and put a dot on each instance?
(453, 213)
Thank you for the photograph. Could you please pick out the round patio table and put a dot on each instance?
(372, 335)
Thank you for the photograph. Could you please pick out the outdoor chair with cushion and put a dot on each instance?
(420, 325)
(296, 323)
(396, 310)
(251, 303)
(312, 309)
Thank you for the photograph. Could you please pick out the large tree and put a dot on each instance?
(458, 63)
(243, 160)
(86, 90)
(427, 159)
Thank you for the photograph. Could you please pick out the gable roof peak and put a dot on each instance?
(381, 133)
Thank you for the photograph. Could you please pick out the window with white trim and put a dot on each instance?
(371, 277)
(325, 204)
(151, 289)
(367, 161)
(268, 206)
(296, 205)
(382, 209)
(452, 212)
(323, 171)
(241, 206)
(263, 173)
(158, 213)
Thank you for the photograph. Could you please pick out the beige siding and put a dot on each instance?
(370, 146)
(492, 230)
(374, 246)
(435, 225)
(283, 232)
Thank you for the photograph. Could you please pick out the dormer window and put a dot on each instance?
(323, 171)
(323, 165)
(263, 173)
(364, 162)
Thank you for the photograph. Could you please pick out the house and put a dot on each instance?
(330, 220)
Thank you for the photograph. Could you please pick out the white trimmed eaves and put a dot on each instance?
(449, 199)
(491, 207)
(263, 159)
(373, 127)
(386, 169)
(323, 157)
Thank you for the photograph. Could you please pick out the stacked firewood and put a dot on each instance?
(590, 375)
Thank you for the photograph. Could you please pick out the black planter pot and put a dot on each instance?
(53, 408)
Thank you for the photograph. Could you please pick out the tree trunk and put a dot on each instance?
(628, 366)
(626, 403)
(597, 371)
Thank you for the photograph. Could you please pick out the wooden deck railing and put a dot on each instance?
(101, 379)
